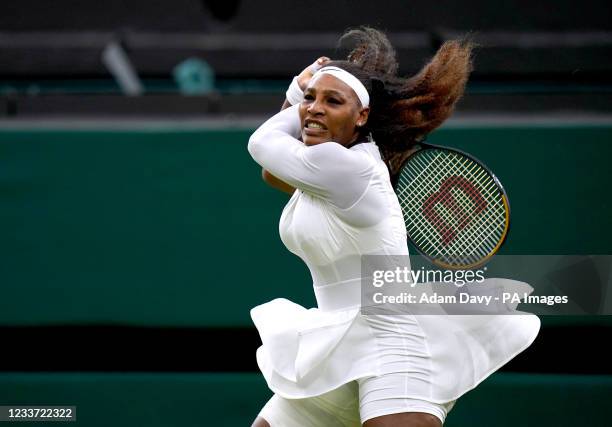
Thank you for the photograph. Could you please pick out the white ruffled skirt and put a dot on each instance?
(308, 352)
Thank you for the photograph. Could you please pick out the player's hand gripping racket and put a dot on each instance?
(456, 211)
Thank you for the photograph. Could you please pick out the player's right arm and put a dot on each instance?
(302, 81)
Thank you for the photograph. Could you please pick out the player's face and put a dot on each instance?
(330, 112)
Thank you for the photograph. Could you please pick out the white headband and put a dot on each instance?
(352, 81)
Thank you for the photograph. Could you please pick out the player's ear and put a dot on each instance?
(362, 119)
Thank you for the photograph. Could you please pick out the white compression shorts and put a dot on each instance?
(350, 405)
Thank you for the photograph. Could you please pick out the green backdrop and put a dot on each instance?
(176, 228)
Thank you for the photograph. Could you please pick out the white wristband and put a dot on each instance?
(294, 94)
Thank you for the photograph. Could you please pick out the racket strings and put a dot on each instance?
(478, 178)
(463, 247)
(480, 226)
(451, 218)
(475, 232)
(428, 236)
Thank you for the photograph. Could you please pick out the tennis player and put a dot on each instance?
(336, 149)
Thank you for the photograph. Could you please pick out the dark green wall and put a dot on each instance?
(176, 227)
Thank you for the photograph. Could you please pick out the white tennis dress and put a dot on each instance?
(344, 207)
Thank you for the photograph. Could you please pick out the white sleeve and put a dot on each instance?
(328, 170)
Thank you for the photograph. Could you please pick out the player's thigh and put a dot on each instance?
(405, 419)
(383, 402)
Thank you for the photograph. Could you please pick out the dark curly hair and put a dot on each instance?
(404, 110)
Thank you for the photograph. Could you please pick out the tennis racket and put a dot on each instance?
(456, 211)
